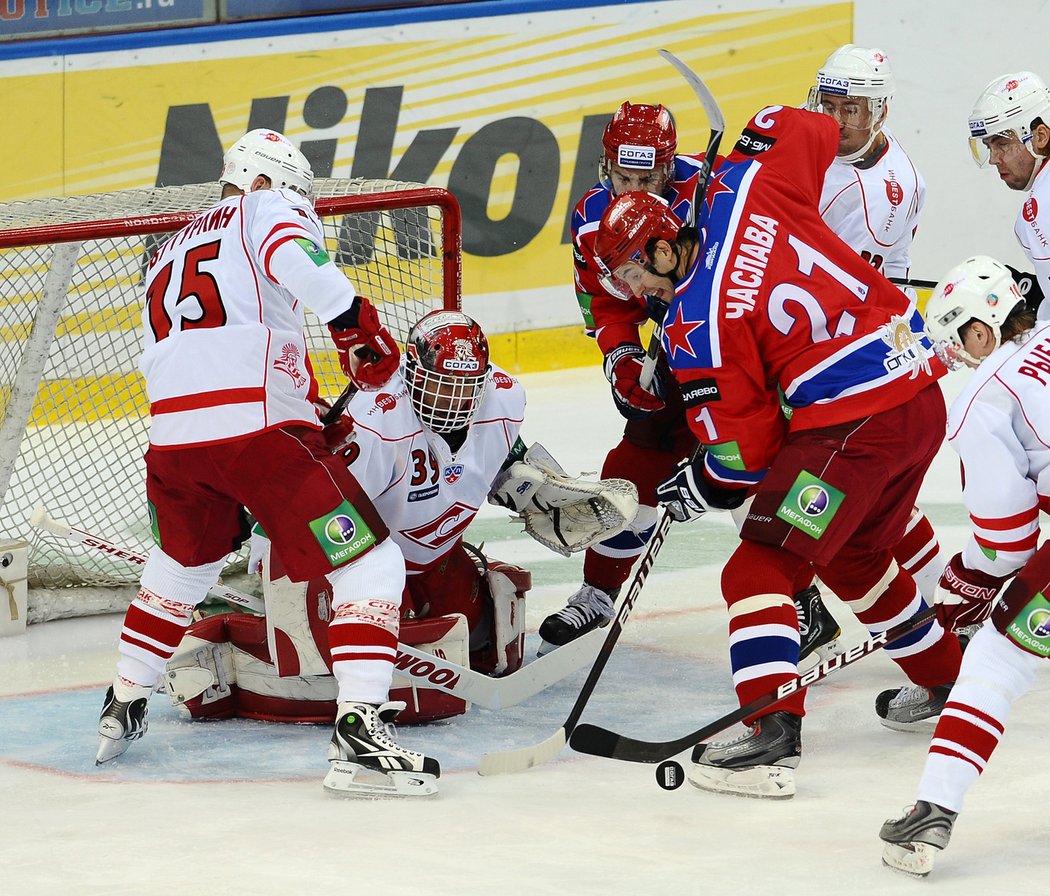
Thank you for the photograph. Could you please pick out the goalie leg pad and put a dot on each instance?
(507, 586)
(200, 677)
(443, 636)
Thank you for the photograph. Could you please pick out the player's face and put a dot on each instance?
(644, 282)
(651, 180)
(853, 116)
(1011, 159)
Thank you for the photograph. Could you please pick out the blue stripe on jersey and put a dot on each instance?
(860, 366)
(761, 650)
(729, 474)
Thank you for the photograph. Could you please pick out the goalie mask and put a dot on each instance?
(270, 154)
(1009, 105)
(978, 289)
(446, 368)
(639, 137)
(861, 74)
(625, 235)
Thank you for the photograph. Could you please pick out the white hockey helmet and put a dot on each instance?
(270, 154)
(1009, 104)
(861, 73)
(981, 289)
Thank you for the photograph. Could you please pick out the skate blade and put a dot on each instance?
(109, 749)
(349, 779)
(923, 726)
(825, 651)
(771, 782)
(915, 859)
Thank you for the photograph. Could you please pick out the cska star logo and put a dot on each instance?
(677, 335)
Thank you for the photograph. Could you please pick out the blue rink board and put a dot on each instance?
(642, 692)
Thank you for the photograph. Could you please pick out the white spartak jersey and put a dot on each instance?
(1000, 428)
(224, 354)
(1032, 229)
(876, 210)
(426, 495)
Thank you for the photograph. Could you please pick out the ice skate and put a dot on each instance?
(817, 629)
(366, 759)
(916, 837)
(759, 763)
(913, 708)
(121, 722)
(588, 609)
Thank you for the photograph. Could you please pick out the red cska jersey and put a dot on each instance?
(776, 305)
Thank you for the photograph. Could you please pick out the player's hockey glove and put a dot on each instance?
(368, 353)
(687, 495)
(623, 367)
(1028, 284)
(965, 596)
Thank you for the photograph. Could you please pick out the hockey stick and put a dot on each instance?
(424, 668)
(914, 284)
(41, 519)
(717, 122)
(598, 741)
(507, 761)
(332, 414)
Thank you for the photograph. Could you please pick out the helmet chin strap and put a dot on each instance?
(1037, 167)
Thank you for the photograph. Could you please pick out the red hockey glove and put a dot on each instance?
(965, 596)
(367, 351)
(623, 367)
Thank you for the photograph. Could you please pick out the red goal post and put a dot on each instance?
(73, 410)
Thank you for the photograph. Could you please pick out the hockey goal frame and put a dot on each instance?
(377, 230)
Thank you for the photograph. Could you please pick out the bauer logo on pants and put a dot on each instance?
(342, 534)
(810, 504)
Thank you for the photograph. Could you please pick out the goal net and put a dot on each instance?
(73, 409)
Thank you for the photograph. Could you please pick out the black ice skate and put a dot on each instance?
(912, 708)
(916, 837)
(366, 759)
(817, 629)
(121, 722)
(758, 763)
(588, 609)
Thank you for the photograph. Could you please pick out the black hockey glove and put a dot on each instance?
(687, 495)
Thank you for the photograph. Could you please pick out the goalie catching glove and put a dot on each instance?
(565, 513)
(368, 353)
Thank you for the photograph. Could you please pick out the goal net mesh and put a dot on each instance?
(73, 410)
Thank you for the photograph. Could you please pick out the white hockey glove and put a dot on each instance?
(565, 513)
(258, 545)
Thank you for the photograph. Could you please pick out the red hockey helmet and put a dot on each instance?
(639, 136)
(446, 367)
(625, 232)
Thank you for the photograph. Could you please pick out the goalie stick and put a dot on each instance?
(598, 741)
(423, 668)
(717, 122)
(507, 761)
(914, 284)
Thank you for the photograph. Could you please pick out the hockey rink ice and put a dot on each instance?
(236, 807)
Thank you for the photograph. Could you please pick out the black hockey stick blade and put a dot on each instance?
(332, 414)
(597, 741)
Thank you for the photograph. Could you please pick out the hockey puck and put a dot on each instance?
(670, 775)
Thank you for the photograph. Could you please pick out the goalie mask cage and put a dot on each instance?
(73, 409)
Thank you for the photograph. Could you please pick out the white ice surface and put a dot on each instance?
(237, 807)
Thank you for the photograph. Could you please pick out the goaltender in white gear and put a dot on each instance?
(427, 464)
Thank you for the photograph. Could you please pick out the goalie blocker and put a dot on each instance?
(277, 668)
